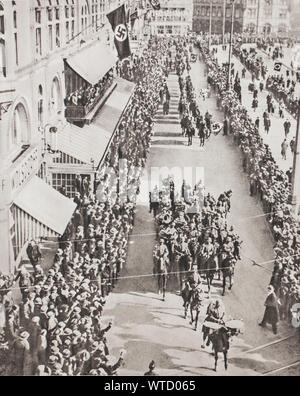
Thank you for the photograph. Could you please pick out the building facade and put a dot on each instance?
(250, 16)
(174, 18)
(43, 45)
(218, 13)
(267, 16)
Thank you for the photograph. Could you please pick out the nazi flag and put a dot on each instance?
(155, 4)
(118, 21)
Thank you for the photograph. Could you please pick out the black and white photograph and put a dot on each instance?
(150, 190)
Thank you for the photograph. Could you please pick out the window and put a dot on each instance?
(3, 70)
(2, 29)
(20, 130)
(50, 14)
(40, 106)
(57, 14)
(38, 41)
(50, 37)
(67, 31)
(15, 19)
(2, 58)
(16, 48)
(15, 35)
(57, 35)
(38, 15)
(56, 99)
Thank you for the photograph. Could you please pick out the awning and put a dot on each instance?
(88, 144)
(93, 62)
(46, 205)
(109, 114)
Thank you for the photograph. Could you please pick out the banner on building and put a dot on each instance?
(155, 4)
(118, 21)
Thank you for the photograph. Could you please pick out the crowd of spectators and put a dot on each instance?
(58, 328)
(267, 182)
(89, 95)
(282, 87)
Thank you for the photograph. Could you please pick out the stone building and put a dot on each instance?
(50, 52)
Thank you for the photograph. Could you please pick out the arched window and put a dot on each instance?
(40, 106)
(2, 43)
(56, 99)
(2, 58)
(20, 129)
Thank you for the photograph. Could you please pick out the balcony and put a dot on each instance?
(86, 107)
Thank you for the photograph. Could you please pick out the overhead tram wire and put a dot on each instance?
(261, 264)
(132, 235)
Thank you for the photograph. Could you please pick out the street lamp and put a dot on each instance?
(230, 44)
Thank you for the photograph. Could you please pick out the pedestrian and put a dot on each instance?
(261, 86)
(292, 145)
(287, 126)
(271, 315)
(225, 127)
(257, 122)
(289, 174)
(284, 147)
(254, 104)
(151, 371)
(34, 253)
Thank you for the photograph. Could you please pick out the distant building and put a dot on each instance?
(221, 16)
(174, 18)
(251, 16)
(267, 16)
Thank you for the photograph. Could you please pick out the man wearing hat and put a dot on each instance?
(22, 356)
(272, 310)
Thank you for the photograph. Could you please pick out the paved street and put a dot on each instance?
(276, 134)
(149, 328)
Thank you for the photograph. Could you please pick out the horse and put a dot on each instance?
(195, 304)
(186, 294)
(161, 271)
(220, 340)
(220, 343)
(210, 267)
(227, 266)
(184, 265)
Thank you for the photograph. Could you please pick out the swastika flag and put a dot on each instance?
(155, 4)
(118, 21)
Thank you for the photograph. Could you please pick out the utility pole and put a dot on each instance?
(296, 169)
(210, 23)
(230, 45)
(224, 20)
(258, 15)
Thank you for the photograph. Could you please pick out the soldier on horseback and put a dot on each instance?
(215, 313)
